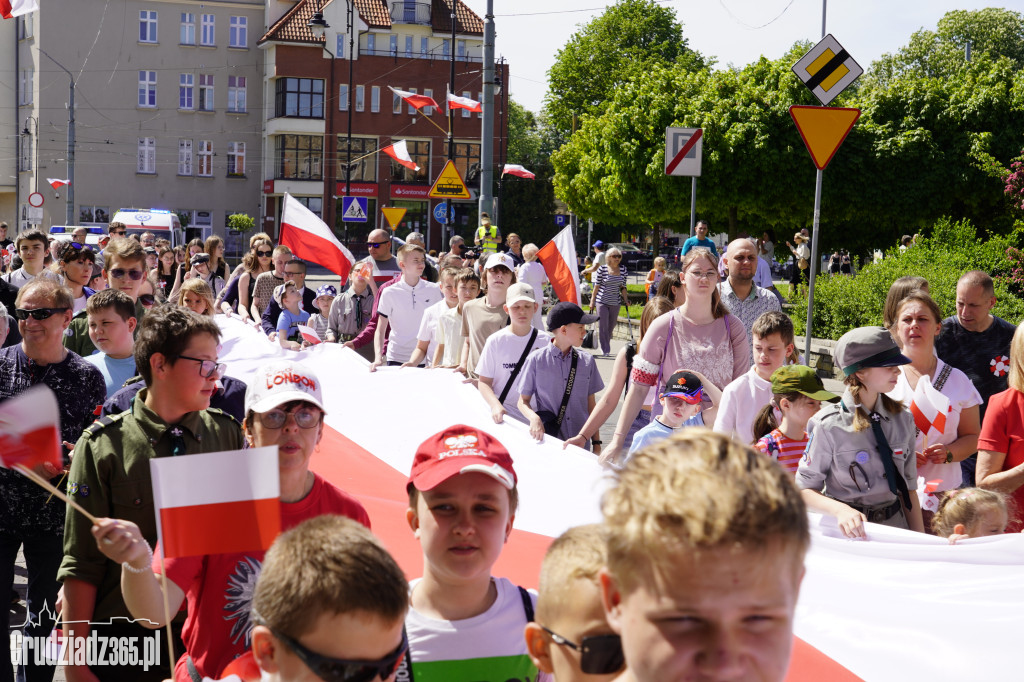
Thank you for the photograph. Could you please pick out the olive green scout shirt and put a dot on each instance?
(109, 477)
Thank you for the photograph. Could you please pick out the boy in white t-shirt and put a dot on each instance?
(449, 326)
(401, 307)
(505, 348)
(464, 624)
(427, 337)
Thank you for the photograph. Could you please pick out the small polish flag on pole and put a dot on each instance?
(518, 171)
(218, 502)
(57, 183)
(456, 102)
(308, 334)
(558, 257)
(29, 433)
(416, 101)
(399, 151)
(310, 239)
(15, 8)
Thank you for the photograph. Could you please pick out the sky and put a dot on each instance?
(736, 32)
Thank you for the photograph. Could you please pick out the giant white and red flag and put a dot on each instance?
(310, 239)
(558, 257)
(416, 101)
(399, 151)
(456, 102)
(15, 8)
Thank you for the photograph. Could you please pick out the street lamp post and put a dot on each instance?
(71, 142)
(448, 211)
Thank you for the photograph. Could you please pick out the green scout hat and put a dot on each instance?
(866, 347)
(800, 379)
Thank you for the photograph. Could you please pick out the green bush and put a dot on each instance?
(952, 248)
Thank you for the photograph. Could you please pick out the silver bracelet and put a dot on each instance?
(139, 571)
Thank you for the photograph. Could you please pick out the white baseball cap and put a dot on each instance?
(520, 291)
(282, 382)
(496, 259)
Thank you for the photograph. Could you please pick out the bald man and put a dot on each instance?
(385, 266)
(745, 299)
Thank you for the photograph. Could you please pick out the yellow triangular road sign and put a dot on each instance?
(393, 216)
(449, 184)
(823, 130)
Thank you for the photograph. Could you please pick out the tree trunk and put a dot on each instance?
(733, 223)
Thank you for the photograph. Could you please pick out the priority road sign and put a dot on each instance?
(823, 130)
(440, 214)
(449, 184)
(827, 69)
(684, 148)
(353, 209)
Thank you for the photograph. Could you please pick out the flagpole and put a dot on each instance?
(167, 612)
(449, 221)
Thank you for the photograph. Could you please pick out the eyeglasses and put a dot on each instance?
(207, 368)
(38, 313)
(600, 654)
(120, 273)
(709, 275)
(264, 254)
(614, 257)
(115, 233)
(306, 417)
(374, 245)
(341, 670)
(293, 273)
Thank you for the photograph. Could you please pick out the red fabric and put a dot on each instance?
(308, 246)
(1003, 431)
(558, 272)
(32, 448)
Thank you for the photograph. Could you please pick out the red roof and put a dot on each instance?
(374, 13)
(293, 27)
(467, 22)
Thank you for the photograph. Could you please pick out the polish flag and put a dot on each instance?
(456, 102)
(518, 171)
(308, 334)
(56, 183)
(558, 257)
(15, 8)
(416, 101)
(310, 239)
(399, 151)
(929, 408)
(218, 502)
(29, 429)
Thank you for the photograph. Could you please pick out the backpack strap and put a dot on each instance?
(527, 603)
(519, 366)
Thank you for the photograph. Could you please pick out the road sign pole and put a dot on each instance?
(693, 205)
(814, 265)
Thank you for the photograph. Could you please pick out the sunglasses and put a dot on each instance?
(341, 670)
(305, 417)
(121, 273)
(147, 299)
(374, 245)
(38, 313)
(599, 655)
(264, 254)
(115, 233)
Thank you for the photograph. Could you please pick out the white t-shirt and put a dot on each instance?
(489, 647)
(404, 306)
(449, 332)
(961, 394)
(80, 304)
(742, 399)
(533, 273)
(428, 327)
(498, 358)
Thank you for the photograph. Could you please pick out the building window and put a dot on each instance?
(393, 44)
(446, 48)
(206, 92)
(343, 97)
(146, 162)
(371, 43)
(314, 204)
(236, 158)
(360, 97)
(25, 160)
(188, 29)
(363, 170)
(184, 157)
(93, 214)
(375, 99)
(424, 47)
(238, 33)
(25, 88)
(460, 49)
(466, 112)
(207, 30)
(299, 157)
(204, 219)
(186, 91)
(339, 47)
(396, 104)
(429, 92)
(236, 94)
(25, 26)
(299, 97)
(147, 89)
(466, 155)
(408, 46)
(420, 153)
(205, 159)
(147, 26)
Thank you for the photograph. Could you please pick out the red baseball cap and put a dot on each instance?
(460, 449)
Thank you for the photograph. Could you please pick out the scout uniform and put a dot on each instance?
(873, 470)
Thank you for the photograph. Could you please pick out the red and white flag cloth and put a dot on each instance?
(416, 101)
(929, 408)
(518, 171)
(15, 8)
(56, 183)
(558, 257)
(456, 102)
(310, 239)
(30, 429)
(218, 502)
(308, 334)
(399, 151)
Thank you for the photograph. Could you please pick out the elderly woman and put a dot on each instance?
(609, 295)
(288, 415)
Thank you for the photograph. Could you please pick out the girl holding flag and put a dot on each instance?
(942, 399)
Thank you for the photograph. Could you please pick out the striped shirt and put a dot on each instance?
(610, 285)
(783, 449)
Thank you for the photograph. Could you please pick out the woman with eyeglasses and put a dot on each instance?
(284, 409)
(75, 268)
(699, 335)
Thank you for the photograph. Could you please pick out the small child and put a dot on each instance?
(970, 513)
(654, 276)
(427, 336)
(462, 503)
(450, 339)
(111, 327)
(797, 393)
(289, 298)
(329, 597)
(571, 637)
(773, 346)
(706, 544)
(325, 296)
(681, 402)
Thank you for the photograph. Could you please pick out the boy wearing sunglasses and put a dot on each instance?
(176, 353)
(571, 638)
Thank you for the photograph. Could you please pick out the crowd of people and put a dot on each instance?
(724, 439)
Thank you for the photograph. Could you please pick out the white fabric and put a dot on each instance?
(498, 358)
(404, 307)
(428, 327)
(228, 476)
(449, 332)
(742, 399)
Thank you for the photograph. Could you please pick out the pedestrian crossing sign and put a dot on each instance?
(827, 69)
(353, 209)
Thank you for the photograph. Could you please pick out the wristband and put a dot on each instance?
(595, 441)
(138, 571)
(949, 456)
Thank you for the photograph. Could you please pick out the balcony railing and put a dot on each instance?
(408, 12)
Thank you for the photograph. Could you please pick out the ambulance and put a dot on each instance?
(161, 222)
